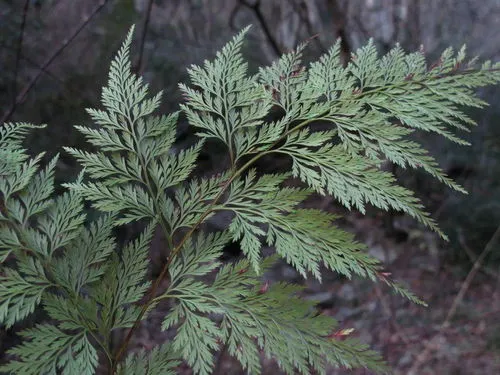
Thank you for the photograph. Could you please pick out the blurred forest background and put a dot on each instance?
(54, 59)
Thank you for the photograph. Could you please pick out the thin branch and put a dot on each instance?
(50, 60)
(265, 28)
(19, 49)
(138, 66)
(422, 357)
(339, 18)
(303, 13)
(33, 63)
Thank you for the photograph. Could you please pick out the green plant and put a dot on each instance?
(89, 288)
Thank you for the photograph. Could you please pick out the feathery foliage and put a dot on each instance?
(53, 259)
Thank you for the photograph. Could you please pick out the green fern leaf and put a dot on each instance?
(12, 134)
(18, 180)
(124, 282)
(191, 201)
(51, 351)
(199, 256)
(19, 295)
(170, 170)
(159, 361)
(76, 313)
(231, 102)
(368, 110)
(63, 220)
(84, 262)
(9, 242)
(133, 201)
(35, 198)
(351, 179)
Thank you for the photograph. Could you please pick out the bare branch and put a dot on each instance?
(339, 18)
(255, 7)
(20, 97)
(138, 66)
(19, 49)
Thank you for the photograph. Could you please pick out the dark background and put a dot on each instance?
(54, 58)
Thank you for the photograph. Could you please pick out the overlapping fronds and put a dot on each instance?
(253, 318)
(54, 260)
(161, 360)
(50, 259)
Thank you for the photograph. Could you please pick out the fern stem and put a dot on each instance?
(151, 190)
(103, 346)
(298, 127)
(151, 299)
(154, 288)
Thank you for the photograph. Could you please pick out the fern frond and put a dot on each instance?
(289, 329)
(9, 242)
(132, 201)
(125, 95)
(84, 262)
(328, 77)
(19, 296)
(51, 351)
(75, 313)
(12, 134)
(36, 197)
(132, 272)
(286, 77)
(305, 238)
(421, 98)
(198, 336)
(114, 170)
(161, 360)
(62, 221)
(169, 170)
(56, 259)
(369, 110)
(192, 201)
(18, 180)
(135, 185)
(256, 318)
(351, 179)
(231, 101)
(125, 282)
(199, 256)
